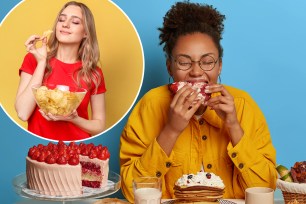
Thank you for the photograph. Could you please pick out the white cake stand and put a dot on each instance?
(113, 185)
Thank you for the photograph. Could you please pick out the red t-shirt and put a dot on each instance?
(61, 74)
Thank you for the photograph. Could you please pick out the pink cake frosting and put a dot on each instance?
(62, 170)
(54, 179)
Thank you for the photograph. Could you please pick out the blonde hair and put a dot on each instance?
(88, 53)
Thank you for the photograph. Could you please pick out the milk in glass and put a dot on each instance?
(147, 196)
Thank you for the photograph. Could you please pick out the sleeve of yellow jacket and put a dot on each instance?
(254, 156)
(140, 154)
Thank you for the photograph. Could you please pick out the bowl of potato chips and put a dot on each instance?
(59, 100)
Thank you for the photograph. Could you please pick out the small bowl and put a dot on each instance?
(59, 100)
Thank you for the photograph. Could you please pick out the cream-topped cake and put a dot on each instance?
(203, 186)
(62, 169)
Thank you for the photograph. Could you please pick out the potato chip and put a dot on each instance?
(47, 33)
(57, 102)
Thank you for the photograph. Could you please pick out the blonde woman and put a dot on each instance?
(71, 60)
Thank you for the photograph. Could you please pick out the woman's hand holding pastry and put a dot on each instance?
(223, 104)
(39, 53)
(182, 108)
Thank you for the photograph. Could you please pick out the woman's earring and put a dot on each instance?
(170, 77)
(219, 78)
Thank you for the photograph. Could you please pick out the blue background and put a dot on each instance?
(264, 50)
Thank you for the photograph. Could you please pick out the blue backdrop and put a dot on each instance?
(264, 47)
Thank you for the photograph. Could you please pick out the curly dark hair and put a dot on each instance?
(185, 18)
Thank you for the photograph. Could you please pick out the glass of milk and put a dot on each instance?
(147, 190)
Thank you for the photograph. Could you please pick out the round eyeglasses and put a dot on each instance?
(184, 62)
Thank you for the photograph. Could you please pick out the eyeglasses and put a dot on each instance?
(184, 62)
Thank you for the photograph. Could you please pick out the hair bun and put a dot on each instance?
(185, 17)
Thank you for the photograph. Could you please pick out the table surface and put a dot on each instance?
(278, 199)
(91, 201)
(240, 201)
(237, 201)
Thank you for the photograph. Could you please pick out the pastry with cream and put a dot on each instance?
(202, 186)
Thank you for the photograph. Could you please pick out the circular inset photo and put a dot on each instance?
(69, 70)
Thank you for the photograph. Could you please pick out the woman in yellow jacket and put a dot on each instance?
(170, 135)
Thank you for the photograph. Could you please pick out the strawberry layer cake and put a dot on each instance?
(202, 186)
(62, 170)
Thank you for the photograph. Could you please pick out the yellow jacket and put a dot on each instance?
(203, 142)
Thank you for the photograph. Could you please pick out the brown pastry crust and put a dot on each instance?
(298, 172)
(198, 193)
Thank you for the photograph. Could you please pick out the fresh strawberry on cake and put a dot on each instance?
(62, 170)
(198, 86)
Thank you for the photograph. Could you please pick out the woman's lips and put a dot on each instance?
(65, 32)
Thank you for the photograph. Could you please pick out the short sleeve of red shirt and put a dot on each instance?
(101, 87)
(29, 64)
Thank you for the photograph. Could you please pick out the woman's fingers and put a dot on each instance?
(178, 95)
(222, 103)
(191, 100)
(187, 104)
(185, 95)
(44, 40)
(192, 108)
(44, 115)
(219, 99)
(32, 40)
(217, 88)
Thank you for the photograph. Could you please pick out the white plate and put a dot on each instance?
(113, 185)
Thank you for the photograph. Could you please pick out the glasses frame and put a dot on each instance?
(194, 61)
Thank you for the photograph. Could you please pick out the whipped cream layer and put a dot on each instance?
(54, 179)
(200, 179)
(197, 86)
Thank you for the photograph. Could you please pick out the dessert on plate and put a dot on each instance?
(202, 186)
(292, 182)
(298, 172)
(62, 170)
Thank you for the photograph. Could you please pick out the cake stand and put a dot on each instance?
(113, 185)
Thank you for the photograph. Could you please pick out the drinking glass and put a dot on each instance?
(147, 190)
